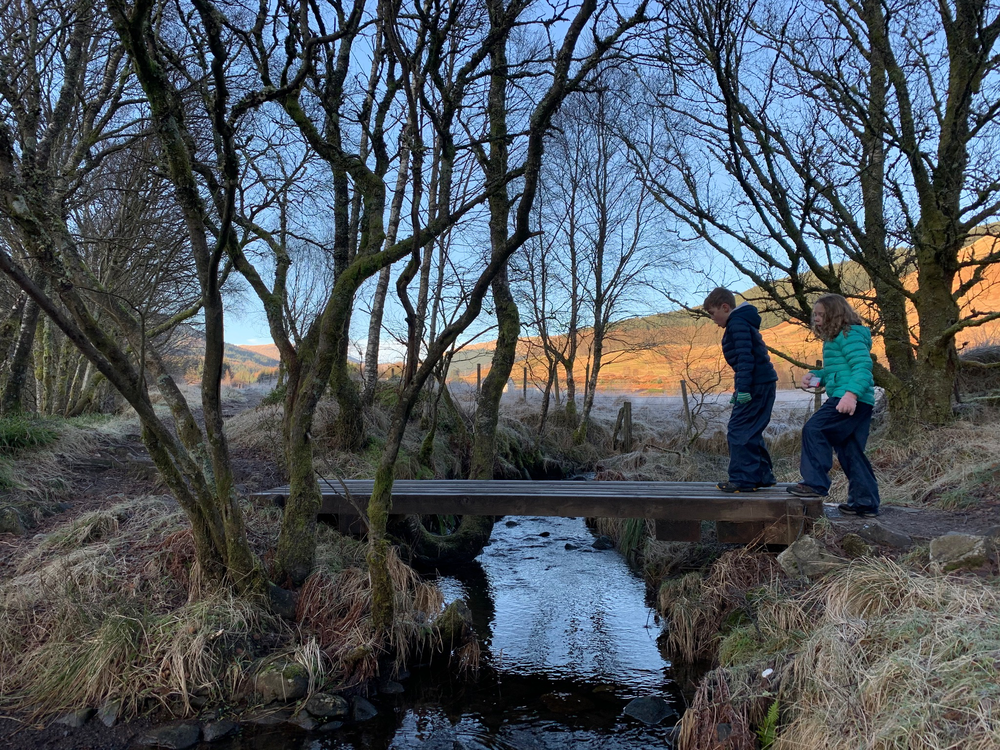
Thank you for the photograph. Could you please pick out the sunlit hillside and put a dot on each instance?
(653, 354)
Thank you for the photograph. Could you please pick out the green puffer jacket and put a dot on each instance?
(847, 365)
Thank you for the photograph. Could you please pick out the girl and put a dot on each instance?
(843, 422)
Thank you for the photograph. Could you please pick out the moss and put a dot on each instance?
(743, 644)
(855, 547)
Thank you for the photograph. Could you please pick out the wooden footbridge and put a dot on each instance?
(770, 516)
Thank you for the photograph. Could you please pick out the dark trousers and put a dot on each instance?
(827, 431)
(749, 461)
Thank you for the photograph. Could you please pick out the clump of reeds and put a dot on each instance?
(697, 606)
(872, 657)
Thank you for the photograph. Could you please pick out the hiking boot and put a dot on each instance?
(804, 490)
(732, 487)
(765, 485)
(861, 511)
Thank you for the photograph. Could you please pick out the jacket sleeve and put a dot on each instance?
(859, 360)
(742, 344)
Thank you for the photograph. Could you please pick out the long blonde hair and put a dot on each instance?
(838, 317)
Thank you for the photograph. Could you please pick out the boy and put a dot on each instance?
(753, 399)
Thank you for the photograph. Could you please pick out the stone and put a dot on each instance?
(807, 558)
(884, 536)
(176, 736)
(362, 710)
(511, 524)
(330, 726)
(282, 682)
(327, 705)
(603, 542)
(76, 719)
(854, 546)
(545, 534)
(304, 721)
(651, 710)
(390, 687)
(268, 718)
(283, 602)
(956, 551)
(108, 714)
(454, 622)
(571, 546)
(216, 730)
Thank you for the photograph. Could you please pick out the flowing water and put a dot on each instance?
(568, 640)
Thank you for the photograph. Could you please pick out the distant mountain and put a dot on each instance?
(184, 353)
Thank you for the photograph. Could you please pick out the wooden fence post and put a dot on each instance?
(555, 383)
(479, 377)
(687, 406)
(524, 383)
(627, 428)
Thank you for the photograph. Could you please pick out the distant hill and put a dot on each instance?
(185, 350)
(653, 354)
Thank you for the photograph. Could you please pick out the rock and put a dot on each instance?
(76, 719)
(10, 522)
(305, 721)
(282, 682)
(854, 546)
(571, 546)
(603, 542)
(884, 536)
(268, 718)
(216, 730)
(330, 726)
(109, 713)
(327, 705)
(283, 602)
(545, 534)
(454, 622)
(362, 710)
(956, 551)
(175, 736)
(389, 687)
(511, 524)
(649, 710)
(806, 558)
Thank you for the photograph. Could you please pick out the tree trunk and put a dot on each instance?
(20, 361)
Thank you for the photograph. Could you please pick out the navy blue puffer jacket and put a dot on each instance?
(744, 349)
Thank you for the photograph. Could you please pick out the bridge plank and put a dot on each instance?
(674, 501)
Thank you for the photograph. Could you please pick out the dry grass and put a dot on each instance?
(874, 657)
(955, 466)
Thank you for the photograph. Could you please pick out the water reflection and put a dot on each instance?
(568, 641)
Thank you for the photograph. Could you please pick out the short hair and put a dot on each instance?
(838, 317)
(718, 297)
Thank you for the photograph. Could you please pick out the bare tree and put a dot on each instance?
(805, 136)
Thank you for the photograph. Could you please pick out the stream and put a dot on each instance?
(567, 641)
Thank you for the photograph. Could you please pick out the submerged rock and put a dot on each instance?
(807, 558)
(650, 710)
(177, 736)
(216, 730)
(390, 687)
(603, 542)
(956, 551)
(362, 710)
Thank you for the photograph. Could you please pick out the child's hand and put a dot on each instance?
(806, 381)
(848, 403)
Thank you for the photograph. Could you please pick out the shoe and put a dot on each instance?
(732, 487)
(804, 490)
(765, 485)
(860, 511)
